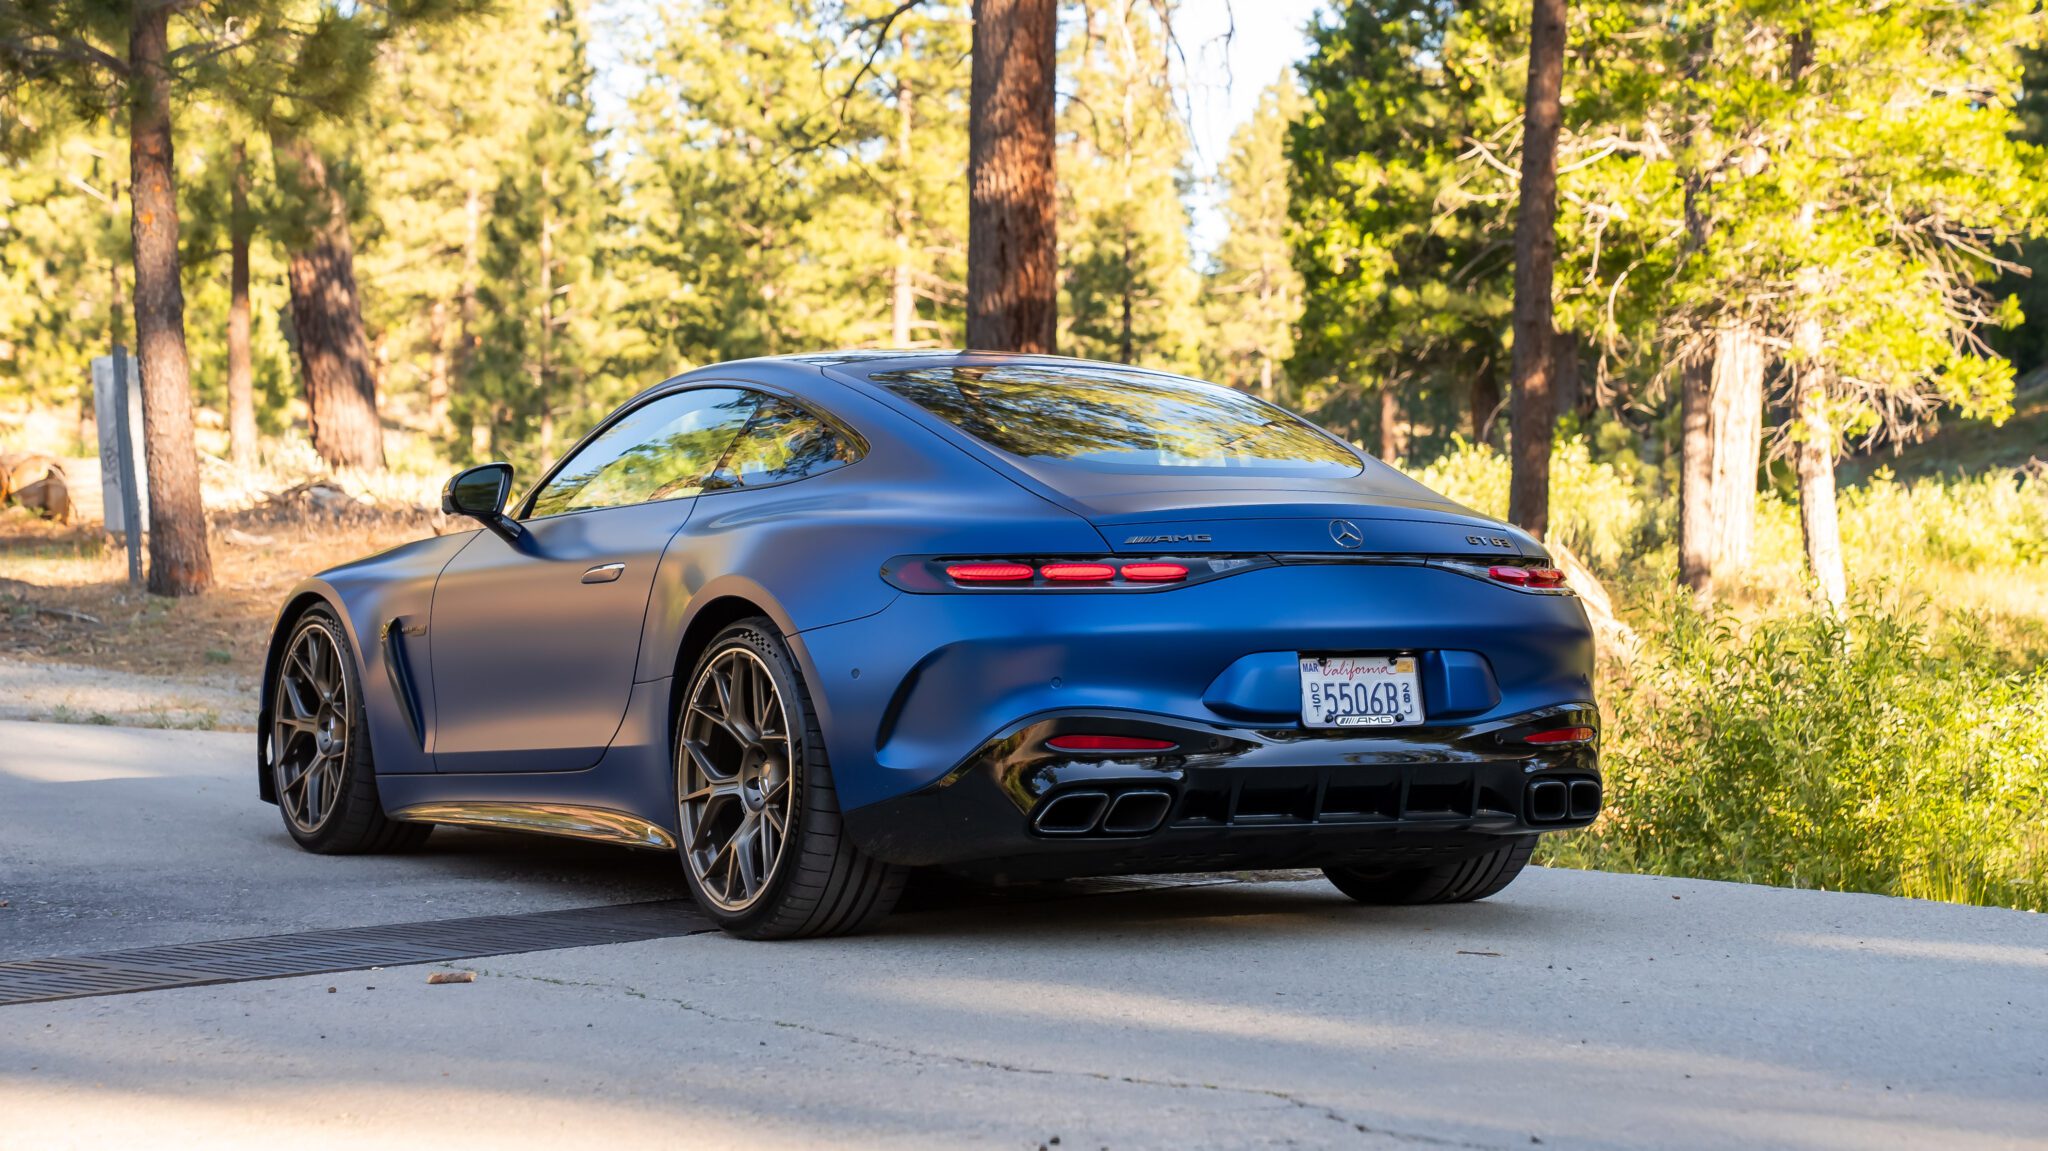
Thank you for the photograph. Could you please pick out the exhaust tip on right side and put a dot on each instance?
(1136, 812)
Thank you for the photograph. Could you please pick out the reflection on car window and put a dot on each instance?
(782, 442)
(663, 450)
(1127, 418)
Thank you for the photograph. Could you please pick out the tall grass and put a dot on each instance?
(1867, 751)
(1898, 747)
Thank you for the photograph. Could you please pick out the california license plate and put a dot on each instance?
(1360, 691)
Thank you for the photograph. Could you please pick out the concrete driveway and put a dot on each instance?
(1574, 1010)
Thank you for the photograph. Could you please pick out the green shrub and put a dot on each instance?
(1863, 752)
(1597, 510)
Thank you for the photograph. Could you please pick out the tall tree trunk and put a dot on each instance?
(1535, 257)
(1695, 474)
(1738, 433)
(1012, 257)
(241, 367)
(1393, 444)
(179, 563)
(902, 303)
(1814, 459)
(1721, 412)
(1484, 399)
(341, 391)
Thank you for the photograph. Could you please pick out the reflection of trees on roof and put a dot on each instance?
(1108, 415)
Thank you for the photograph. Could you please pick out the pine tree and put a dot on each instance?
(1126, 269)
(540, 346)
(1253, 292)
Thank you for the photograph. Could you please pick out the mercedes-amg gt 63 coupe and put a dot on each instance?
(816, 621)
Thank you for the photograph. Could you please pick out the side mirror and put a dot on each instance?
(480, 493)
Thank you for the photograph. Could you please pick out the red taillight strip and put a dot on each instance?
(989, 572)
(1108, 743)
(1560, 735)
(1155, 573)
(1078, 573)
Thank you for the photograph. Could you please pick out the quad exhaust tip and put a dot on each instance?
(1585, 799)
(1075, 813)
(1564, 800)
(1084, 812)
(1136, 812)
(1549, 801)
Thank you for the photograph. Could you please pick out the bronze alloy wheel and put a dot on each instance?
(737, 790)
(310, 732)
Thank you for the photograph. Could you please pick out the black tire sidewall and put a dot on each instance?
(807, 769)
(358, 769)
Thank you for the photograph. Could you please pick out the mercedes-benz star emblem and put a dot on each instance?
(1346, 533)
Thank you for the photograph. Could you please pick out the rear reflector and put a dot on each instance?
(1079, 573)
(1155, 573)
(989, 573)
(1560, 735)
(1108, 743)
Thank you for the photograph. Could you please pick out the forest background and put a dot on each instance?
(1795, 378)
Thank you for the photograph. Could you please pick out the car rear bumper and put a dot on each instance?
(911, 695)
(1229, 797)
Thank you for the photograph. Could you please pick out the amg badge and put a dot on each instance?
(1186, 539)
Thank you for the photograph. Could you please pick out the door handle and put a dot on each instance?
(604, 573)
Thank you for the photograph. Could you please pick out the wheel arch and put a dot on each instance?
(303, 598)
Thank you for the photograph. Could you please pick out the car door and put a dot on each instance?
(535, 641)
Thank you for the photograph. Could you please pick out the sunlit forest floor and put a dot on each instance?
(65, 597)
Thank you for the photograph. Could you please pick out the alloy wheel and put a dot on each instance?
(310, 733)
(735, 785)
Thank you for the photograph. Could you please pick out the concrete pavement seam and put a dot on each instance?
(1291, 1100)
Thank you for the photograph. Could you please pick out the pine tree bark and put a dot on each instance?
(1737, 404)
(1533, 371)
(1721, 419)
(179, 563)
(1012, 254)
(1484, 399)
(241, 366)
(1393, 444)
(327, 319)
(1695, 475)
(1814, 459)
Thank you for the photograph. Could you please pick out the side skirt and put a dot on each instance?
(568, 820)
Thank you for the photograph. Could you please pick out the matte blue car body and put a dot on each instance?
(492, 675)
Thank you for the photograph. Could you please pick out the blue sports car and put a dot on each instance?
(815, 621)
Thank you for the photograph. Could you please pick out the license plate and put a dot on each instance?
(1360, 691)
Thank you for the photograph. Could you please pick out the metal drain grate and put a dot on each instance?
(345, 949)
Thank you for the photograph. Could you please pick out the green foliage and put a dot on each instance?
(1597, 509)
(1128, 283)
(1858, 752)
(1253, 292)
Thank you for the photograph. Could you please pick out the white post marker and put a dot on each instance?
(124, 490)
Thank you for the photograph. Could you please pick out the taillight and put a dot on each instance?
(1108, 743)
(1560, 735)
(989, 572)
(1540, 579)
(1071, 574)
(1078, 573)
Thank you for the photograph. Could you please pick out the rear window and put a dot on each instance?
(1096, 415)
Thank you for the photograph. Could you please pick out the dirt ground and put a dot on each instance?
(76, 641)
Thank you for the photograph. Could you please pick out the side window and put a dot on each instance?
(663, 450)
(782, 442)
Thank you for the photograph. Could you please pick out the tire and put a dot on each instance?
(1460, 882)
(320, 759)
(748, 759)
